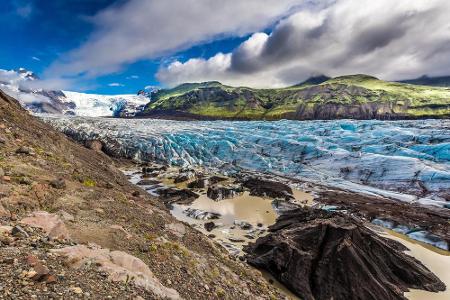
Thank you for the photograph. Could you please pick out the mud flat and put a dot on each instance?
(243, 214)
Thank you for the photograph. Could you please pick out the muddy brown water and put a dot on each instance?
(437, 260)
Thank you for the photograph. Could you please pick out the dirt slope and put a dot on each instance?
(90, 201)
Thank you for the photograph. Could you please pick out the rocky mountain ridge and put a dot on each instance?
(354, 97)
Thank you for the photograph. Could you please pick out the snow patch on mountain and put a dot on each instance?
(23, 85)
(93, 105)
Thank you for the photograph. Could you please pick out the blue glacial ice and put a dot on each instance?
(406, 160)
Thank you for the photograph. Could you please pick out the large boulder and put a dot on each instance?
(220, 192)
(327, 255)
(268, 188)
(173, 195)
(51, 224)
(120, 267)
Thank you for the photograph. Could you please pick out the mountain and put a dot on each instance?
(443, 81)
(355, 96)
(21, 84)
(314, 80)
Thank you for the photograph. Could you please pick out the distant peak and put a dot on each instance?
(318, 79)
(26, 74)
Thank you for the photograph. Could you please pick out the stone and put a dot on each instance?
(148, 182)
(18, 231)
(120, 228)
(236, 240)
(66, 216)
(40, 271)
(152, 169)
(76, 290)
(177, 229)
(24, 150)
(200, 214)
(174, 195)
(2, 173)
(182, 177)
(200, 183)
(268, 188)
(59, 184)
(5, 230)
(243, 225)
(25, 181)
(319, 254)
(52, 224)
(219, 192)
(209, 226)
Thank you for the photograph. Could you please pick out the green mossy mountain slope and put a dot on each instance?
(353, 96)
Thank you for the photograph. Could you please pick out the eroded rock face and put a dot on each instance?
(173, 195)
(52, 224)
(326, 255)
(119, 265)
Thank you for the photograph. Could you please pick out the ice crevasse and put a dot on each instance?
(408, 160)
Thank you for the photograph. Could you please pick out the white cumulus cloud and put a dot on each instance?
(389, 39)
(115, 84)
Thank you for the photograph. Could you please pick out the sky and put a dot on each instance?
(122, 46)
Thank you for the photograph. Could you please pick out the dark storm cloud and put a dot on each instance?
(377, 36)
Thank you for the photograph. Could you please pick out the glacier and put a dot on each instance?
(405, 160)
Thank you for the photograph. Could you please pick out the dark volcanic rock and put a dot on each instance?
(58, 183)
(200, 214)
(328, 255)
(185, 176)
(209, 226)
(174, 195)
(268, 188)
(218, 192)
(148, 182)
(152, 169)
(200, 183)
(204, 182)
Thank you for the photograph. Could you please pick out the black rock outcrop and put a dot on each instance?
(328, 255)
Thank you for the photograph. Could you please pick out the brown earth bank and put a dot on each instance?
(71, 225)
(328, 255)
